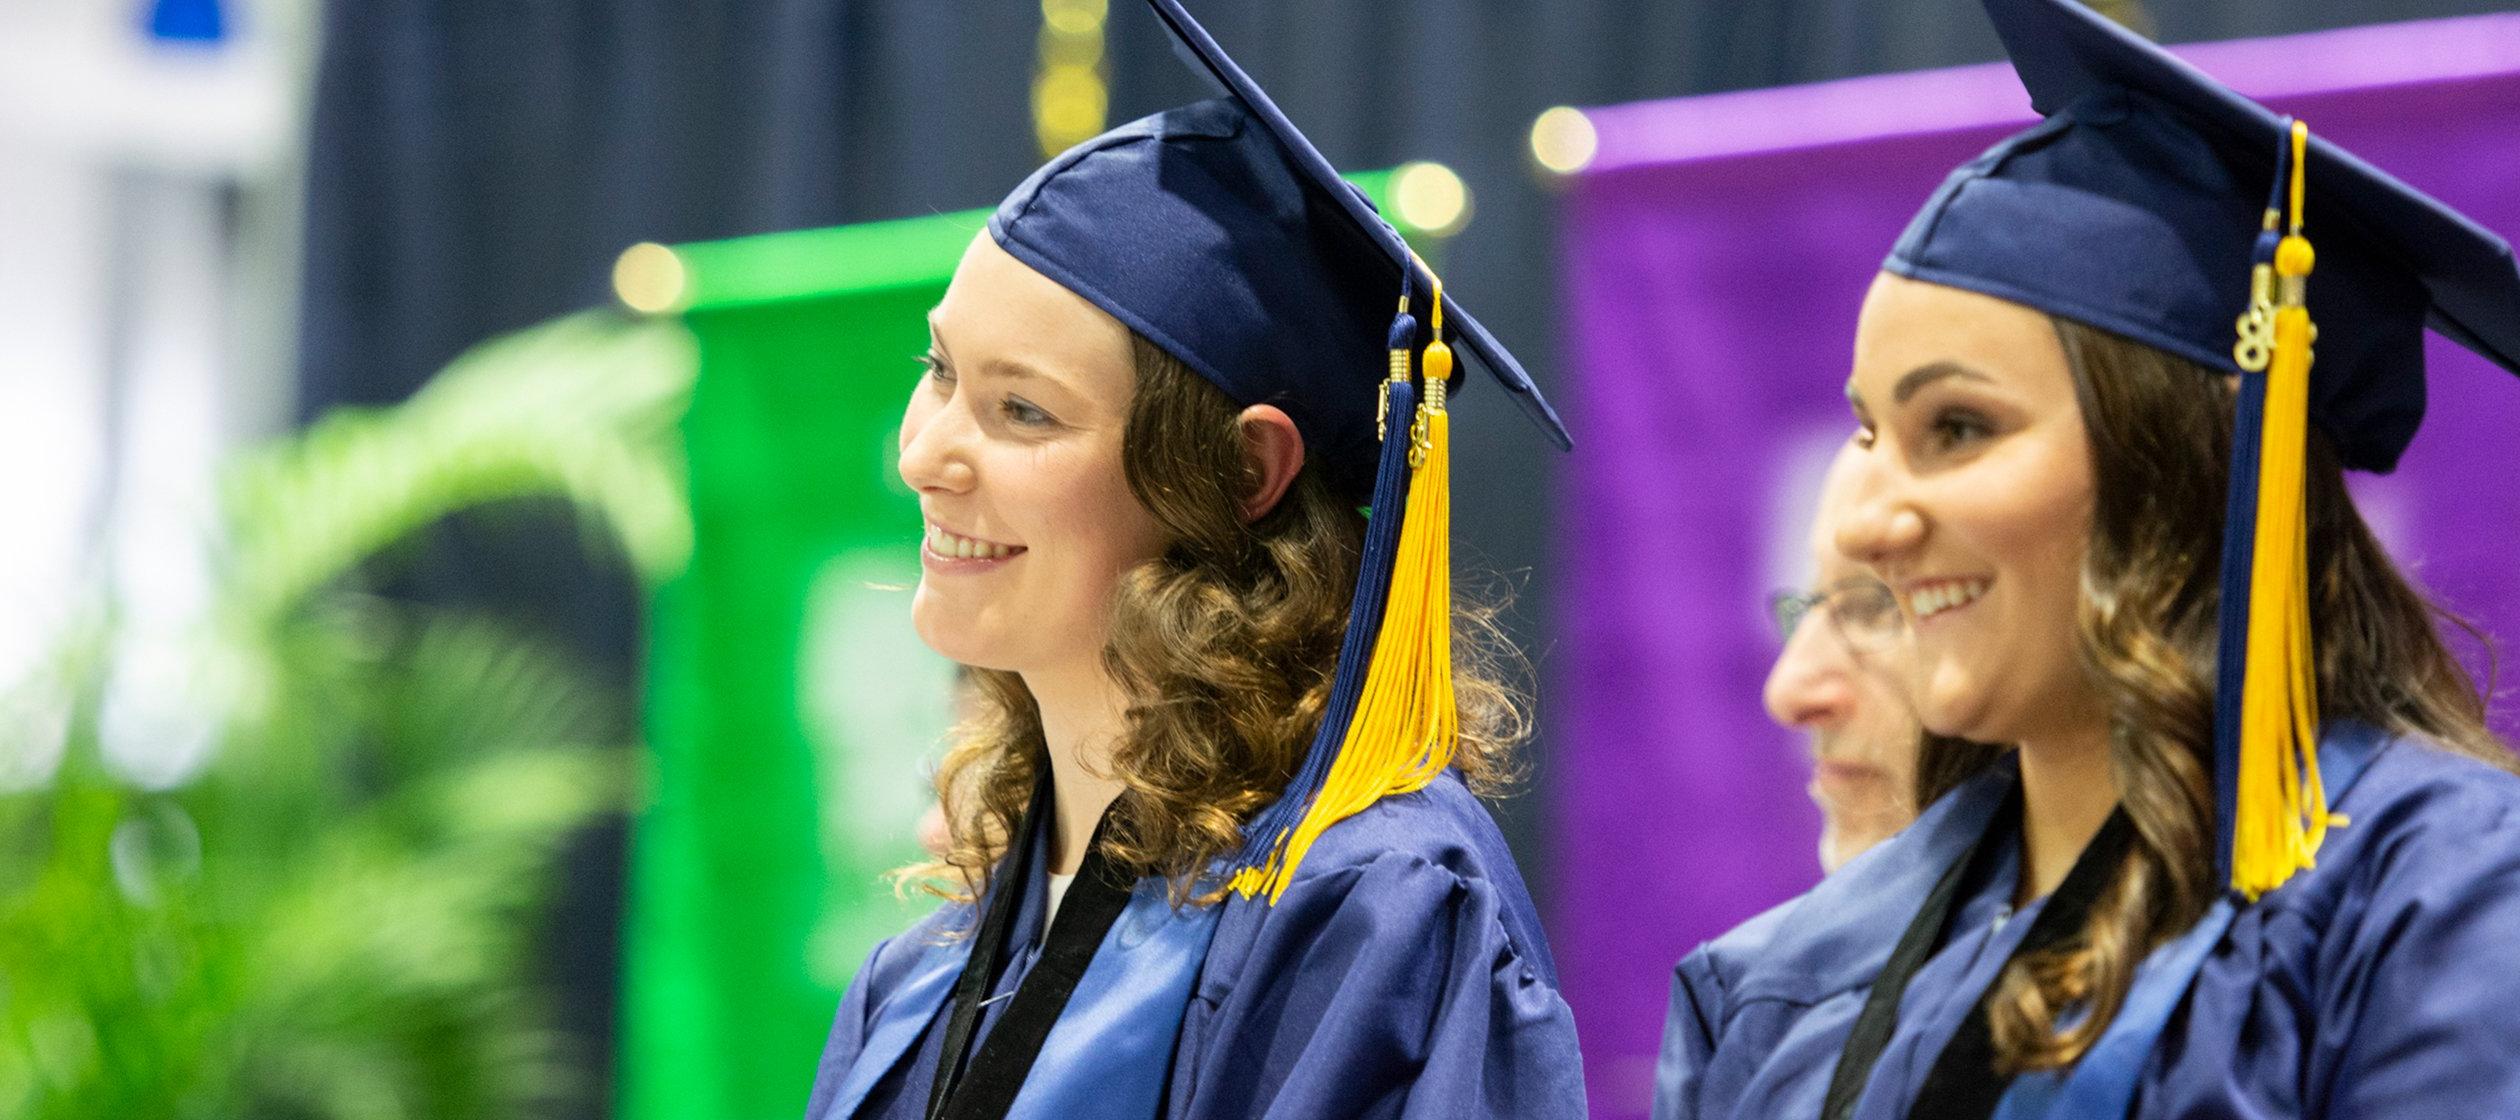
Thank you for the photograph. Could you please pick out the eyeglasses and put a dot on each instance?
(1863, 611)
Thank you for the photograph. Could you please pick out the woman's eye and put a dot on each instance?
(1864, 437)
(1022, 412)
(934, 369)
(1956, 427)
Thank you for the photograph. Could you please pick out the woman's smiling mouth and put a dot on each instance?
(1928, 598)
(949, 550)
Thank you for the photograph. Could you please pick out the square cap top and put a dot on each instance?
(1219, 232)
(2136, 204)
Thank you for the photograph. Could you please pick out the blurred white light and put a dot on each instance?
(34, 730)
(162, 711)
(156, 847)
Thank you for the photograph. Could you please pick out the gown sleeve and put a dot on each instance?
(2428, 983)
(1689, 1033)
(847, 1038)
(1385, 989)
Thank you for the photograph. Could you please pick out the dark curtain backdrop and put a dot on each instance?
(477, 164)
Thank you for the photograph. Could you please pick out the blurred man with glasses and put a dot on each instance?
(1839, 680)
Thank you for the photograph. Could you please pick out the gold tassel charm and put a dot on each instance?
(2257, 325)
(1399, 358)
(2281, 815)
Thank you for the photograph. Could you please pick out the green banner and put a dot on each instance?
(792, 713)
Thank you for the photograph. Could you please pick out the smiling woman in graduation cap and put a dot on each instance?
(2216, 825)
(1214, 850)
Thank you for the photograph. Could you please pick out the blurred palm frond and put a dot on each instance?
(334, 916)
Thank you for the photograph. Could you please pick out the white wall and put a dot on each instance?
(148, 229)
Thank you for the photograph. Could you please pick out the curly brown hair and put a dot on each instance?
(1225, 645)
(2160, 437)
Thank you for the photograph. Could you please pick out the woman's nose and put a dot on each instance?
(1880, 522)
(936, 448)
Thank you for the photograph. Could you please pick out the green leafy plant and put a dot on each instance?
(330, 913)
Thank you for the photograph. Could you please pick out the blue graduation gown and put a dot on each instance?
(2380, 983)
(1403, 974)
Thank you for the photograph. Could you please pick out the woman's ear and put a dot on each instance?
(1273, 451)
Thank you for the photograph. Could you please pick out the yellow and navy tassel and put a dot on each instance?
(2278, 814)
(1405, 721)
(1261, 864)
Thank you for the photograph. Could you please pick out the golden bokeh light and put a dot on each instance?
(1563, 140)
(651, 279)
(1429, 197)
(1071, 100)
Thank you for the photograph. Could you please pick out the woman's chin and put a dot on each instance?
(996, 636)
(952, 638)
(981, 646)
(974, 657)
(1955, 707)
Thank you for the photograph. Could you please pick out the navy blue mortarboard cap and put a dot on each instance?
(2134, 207)
(1218, 232)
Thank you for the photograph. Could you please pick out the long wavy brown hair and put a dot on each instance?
(1225, 645)
(2160, 436)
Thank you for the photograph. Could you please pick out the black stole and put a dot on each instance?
(1964, 1083)
(982, 1086)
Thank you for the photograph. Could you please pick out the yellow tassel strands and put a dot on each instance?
(1406, 720)
(2281, 815)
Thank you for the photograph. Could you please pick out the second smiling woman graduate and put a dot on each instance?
(2221, 831)
(1214, 837)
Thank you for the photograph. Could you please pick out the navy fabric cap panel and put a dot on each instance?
(1189, 227)
(1221, 234)
(2135, 207)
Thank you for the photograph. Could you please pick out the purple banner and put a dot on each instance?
(1716, 250)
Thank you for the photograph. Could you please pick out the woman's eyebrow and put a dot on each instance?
(1015, 369)
(1012, 368)
(1924, 375)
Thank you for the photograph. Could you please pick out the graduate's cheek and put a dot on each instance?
(968, 608)
(1085, 530)
(1116, 534)
(2010, 671)
(1956, 666)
